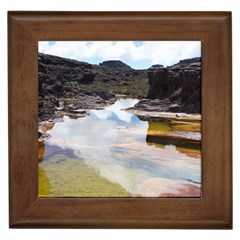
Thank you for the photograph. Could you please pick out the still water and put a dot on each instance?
(107, 154)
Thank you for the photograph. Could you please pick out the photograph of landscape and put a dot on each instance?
(119, 119)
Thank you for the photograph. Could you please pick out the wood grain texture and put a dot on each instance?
(213, 210)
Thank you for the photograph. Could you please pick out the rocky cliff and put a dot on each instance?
(174, 89)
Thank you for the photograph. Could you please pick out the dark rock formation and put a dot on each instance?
(55, 105)
(87, 78)
(156, 66)
(39, 134)
(187, 62)
(178, 87)
(168, 188)
(104, 95)
(157, 105)
(116, 64)
(171, 89)
(47, 59)
(52, 69)
(61, 78)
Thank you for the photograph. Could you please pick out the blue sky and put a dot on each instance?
(137, 54)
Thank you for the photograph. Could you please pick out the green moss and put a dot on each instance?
(137, 88)
(71, 177)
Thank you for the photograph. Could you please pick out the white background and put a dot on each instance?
(119, 5)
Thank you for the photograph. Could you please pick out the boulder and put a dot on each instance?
(87, 78)
(104, 94)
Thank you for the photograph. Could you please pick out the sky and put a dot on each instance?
(137, 54)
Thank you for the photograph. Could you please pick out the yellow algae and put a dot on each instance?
(194, 126)
(159, 127)
(43, 183)
(71, 177)
(162, 127)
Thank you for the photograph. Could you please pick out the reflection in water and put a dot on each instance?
(113, 143)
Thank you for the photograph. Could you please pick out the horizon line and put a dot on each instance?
(99, 64)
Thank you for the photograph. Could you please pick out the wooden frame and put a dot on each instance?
(213, 210)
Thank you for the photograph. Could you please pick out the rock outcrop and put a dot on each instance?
(116, 64)
(156, 66)
(61, 79)
(173, 89)
(53, 69)
(178, 87)
(55, 105)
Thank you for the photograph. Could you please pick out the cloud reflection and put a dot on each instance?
(116, 109)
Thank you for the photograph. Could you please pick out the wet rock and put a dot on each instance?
(160, 187)
(163, 133)
(44, 126)
(158, 115)
(81, 111)
(189, 140)
(186, 135)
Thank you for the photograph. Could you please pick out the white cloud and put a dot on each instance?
(149, 52)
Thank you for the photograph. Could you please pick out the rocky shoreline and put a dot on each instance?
(70, 87)
(75, 106)
(67, 85)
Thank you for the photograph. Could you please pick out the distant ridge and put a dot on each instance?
(116, 64)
